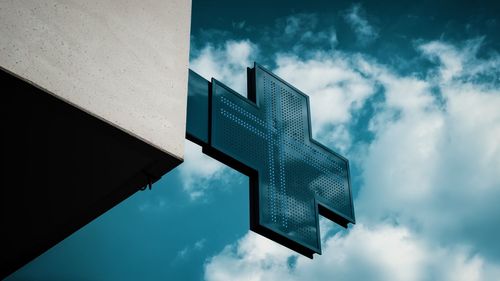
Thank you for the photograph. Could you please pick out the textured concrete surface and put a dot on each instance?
(123, 61)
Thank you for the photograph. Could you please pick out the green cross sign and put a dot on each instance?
(267, 136)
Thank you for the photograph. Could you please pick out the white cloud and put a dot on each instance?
(435, 167)
(364, 31)
(239, 25)
(384, 252)
(198, 171)
(226, 63)
(200, 244)
(293, 24)
(463, 62)
(251, 258)
(300, 24)
(431, 174)
(301, 32)
(153, 205)
(185, 252)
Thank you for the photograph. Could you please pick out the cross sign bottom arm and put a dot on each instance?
(293, 178)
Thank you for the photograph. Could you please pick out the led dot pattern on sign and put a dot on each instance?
(271, 135)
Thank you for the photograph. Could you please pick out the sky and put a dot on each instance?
(409, 92)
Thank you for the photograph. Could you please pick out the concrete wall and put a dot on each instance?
(123, 61)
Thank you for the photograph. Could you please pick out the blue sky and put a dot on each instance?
(409, 92)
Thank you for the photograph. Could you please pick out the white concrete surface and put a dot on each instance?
(124, 61)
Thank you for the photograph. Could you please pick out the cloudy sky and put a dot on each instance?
(408, 92)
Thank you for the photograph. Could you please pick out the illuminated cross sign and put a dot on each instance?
(268, 137)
